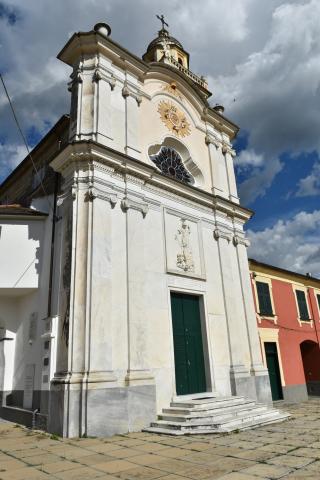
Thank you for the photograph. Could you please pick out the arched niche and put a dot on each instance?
(189, 164)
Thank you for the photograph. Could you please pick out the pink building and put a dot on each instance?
(288, 317)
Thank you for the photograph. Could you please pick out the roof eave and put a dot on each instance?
(282, 270)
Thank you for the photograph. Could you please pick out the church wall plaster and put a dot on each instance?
(127, 237)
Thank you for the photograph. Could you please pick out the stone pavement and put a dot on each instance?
(286, 450)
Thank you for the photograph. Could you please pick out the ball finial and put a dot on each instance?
(103, 28)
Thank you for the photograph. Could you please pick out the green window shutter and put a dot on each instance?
(318, 298)
(302, 304)
(265, 305)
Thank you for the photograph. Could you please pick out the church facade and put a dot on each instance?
(146, 280)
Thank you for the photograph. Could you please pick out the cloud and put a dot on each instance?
(10, 156)
(249, 158)
(259, 181)
(265, 55)
(33, 32)
(277, 88)
(310, 185)
(8, 14)
(291, 244)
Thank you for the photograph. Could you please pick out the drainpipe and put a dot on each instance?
(33, 423)
(54, 220)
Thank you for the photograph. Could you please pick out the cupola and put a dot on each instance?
(167, 49)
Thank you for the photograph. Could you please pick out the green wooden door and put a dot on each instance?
(274, 370)
(188, 348)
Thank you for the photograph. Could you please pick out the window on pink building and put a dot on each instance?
(265, 306)
(302, 305)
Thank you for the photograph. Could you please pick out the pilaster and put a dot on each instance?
(240, 379)
(258, 371)
(132, 97)
(229, 154)
(218, 169)
(138, 325)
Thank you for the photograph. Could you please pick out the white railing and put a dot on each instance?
(200, 81)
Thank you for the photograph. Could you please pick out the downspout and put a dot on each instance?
(54, 220)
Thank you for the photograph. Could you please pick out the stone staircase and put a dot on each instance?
(209, 413)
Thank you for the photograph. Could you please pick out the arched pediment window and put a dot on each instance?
(170, 163)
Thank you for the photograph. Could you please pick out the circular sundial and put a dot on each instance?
(174, 119)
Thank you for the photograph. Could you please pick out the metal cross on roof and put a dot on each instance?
(161, 18)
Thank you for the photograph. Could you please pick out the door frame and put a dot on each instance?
(271, 335)
(279, 371)
(204, 333)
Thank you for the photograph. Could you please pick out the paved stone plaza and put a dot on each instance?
(286, 450)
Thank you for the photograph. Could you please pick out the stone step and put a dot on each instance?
(195, 396)
(195, 417)
(223, 407)
(210, 414)
(234, 422)
(209, 404)
(244, 426)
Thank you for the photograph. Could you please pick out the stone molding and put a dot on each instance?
(227, 149)
(239, 371)
(68, 378)
(74, 156)
(237, 240)
(127, 91)
(94, 192)
(127, 203)
(211, 139)
(99, 75)
(138, 377)
(76, 77)
(220, 233)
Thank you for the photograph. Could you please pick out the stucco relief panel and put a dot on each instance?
(183, 245)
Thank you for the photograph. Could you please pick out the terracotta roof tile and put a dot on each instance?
(16, 209)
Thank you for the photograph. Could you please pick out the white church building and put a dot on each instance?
(124, 279)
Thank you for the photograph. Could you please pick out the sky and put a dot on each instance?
(262, 62)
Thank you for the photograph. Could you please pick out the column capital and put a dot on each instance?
(76, 77)
(127, 203)
(211, 139)
(100, 75)
(227, 149)
(94, 192)
(127, 91)
(220, 233)
(237, 240)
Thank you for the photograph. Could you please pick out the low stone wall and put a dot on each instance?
(24, 417)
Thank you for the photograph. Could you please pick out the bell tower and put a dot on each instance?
(166, 48)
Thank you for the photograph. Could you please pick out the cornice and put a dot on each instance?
(221, 122)
(75, 154)
(282, 273)
(83, 44)
(90, 43)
